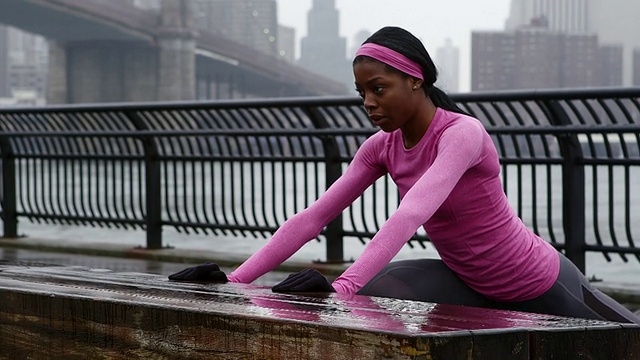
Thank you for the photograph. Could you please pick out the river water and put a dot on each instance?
(597, 266)
(607, 196)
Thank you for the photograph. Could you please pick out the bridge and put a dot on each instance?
(105, 51)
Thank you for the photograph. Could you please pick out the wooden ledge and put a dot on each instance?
(75, 312)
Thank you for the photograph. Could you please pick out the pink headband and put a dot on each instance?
(391, 58)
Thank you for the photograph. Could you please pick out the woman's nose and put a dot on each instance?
(368, 105)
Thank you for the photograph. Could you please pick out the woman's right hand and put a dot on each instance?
(306, 280)
(205, 272)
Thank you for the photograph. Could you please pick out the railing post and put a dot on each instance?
(154, 196)
(9, 211)
(573, 189)
(153, 192)
(334, 233)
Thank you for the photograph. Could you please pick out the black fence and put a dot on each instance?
(570, 158)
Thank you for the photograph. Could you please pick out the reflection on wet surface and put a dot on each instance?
(42, 258)
(254, 301)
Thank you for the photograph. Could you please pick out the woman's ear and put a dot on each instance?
(416, 84)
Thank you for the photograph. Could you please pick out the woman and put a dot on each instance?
(447, 171)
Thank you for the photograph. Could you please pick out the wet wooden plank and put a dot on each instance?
(73, 312)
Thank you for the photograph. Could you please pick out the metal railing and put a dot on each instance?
(570, 158)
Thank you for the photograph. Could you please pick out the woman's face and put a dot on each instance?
(387, 95)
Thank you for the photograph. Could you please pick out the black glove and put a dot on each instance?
(205, 272)
(307, 280)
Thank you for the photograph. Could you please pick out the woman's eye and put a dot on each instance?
(377, 90)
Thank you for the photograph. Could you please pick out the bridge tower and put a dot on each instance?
(110, 70)
(177, 49)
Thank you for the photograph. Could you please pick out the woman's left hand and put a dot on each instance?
(307, 280)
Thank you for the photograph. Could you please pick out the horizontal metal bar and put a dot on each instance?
(81, 219)
(497, 130)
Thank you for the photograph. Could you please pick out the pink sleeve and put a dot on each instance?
(306, 225)
(458, 149)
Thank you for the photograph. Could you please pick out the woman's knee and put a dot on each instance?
(387, 285)
(424, 280)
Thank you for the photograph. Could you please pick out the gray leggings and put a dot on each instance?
(571, 295)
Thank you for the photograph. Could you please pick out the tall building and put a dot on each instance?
(535, 57)
(579, 61)
(358, 39)
(492, 60)
(252, 23)
(568, 16)
(448, 63)
(5, 90)
(323, 50)
(612, 21)
(287, 43)
(616, 22)
(538, 58)
(609, 69)
(636, 67)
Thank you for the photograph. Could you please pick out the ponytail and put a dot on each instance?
(407, 44)
(442, 100)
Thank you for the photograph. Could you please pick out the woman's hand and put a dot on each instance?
(205, 272)
(307, 280)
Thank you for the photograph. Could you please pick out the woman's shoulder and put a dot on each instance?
(452, 116)
(462, 130)
(458, 120)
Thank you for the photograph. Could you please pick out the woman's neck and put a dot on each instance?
(414, 131)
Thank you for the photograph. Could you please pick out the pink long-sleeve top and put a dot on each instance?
(449, 184)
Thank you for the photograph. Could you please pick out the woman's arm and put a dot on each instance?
(307, 224)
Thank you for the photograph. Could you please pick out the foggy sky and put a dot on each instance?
(431, 21)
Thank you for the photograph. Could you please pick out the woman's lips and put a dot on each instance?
(376, 119)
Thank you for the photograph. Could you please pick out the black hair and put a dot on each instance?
(405, 43)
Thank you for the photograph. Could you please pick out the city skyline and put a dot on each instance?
(433, 24)
(536, 57)
(458, 19)
(284, 27)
